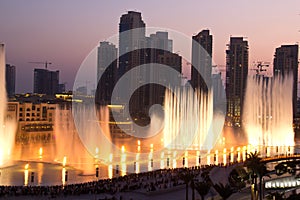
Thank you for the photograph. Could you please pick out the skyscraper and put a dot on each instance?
(202, 60)
(131, 38)
(286, 63)
(236, 77)
(159, 51)
(10, 79)
(46, 81)
(106, 71)
(132, 43)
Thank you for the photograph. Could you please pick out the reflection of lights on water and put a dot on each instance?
(150, 163)
(186, 155)
(110, 171)
(162, 162)
(198, 158)
(26, 174)
(139, 142)
(40, 171)
(174, 159)
(208, 158)
(123, 169)
(224, 156)
(137, 165)
(123, 149)
(216, 157)
(139, 148)
(65, 161)
(63, 176)
(174, 163)
(244, 153)
(239, 154)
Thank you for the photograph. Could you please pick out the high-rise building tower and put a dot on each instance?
(10, 79)
(202, 60)
(237, 56)
(106, 71)
(286, 63)
(131, 41)
(46, 81)
(159, 51)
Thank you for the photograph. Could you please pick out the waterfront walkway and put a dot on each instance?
(160, 184)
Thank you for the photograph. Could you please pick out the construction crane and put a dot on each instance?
(46, 63)
(260, 67)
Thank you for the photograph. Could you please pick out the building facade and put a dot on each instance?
(106, 71)
(286, 63)
(202, 60)
(237, 56)
(10, 79)
(46, 81)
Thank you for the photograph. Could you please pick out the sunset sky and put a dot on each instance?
(65, 31)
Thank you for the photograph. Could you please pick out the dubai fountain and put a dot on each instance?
(7, 125)
(71, 140)
(188, 120)
(268, 117)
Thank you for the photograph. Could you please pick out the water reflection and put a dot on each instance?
(26, 174)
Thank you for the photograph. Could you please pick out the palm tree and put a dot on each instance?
(225, 191)
(187, 176)
(261, 172)
(202, 188)
(256, 169)
(237, 177)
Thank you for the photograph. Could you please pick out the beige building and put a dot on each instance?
(35, 121)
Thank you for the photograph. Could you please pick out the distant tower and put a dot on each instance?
(131, 37)
(106, 71)
(46, 81)
(286, 62)
(237, 56)
(132, 43)
(159, 51)
(202, 60)
(10, 78)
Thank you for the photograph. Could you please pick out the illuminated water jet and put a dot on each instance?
(7, 125)
(190, 121)
(268, 114)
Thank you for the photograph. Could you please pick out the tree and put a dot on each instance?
(225, 191)
(187, 176)
(280, 169)
(237, 177)
(257, 169)
(202, 188)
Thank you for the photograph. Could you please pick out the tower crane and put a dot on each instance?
(46, 63)
(260, 67)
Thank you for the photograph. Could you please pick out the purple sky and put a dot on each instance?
(65, 31)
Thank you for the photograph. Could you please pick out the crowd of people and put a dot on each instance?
(145, 182)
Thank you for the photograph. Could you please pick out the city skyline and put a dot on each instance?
(47, 31)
